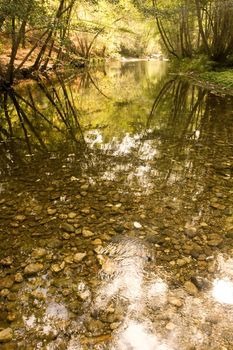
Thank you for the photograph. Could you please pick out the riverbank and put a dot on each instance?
(206, 74)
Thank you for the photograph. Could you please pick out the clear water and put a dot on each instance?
(130, 150)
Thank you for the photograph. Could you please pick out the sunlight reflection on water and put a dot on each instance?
(223, 291)
(137, 337)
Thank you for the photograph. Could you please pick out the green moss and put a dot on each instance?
(197, 64)
(224, 78)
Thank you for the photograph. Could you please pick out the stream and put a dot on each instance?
(116, 216)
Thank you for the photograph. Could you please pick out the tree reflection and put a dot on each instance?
(169, 123)
(41, 118)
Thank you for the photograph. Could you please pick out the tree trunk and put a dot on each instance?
(201, 30)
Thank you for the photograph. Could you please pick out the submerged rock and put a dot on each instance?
(190, 288)
(175, 301)
(20, 218)
(6, 261)
(214, 240)
(190, 230)
(6, 282)
(137, 225)
(51, 211)
(58, 267)
(38, 253)
(79, 257)
(6, 335)
(33, 268)
(67, 227)
(72, 215)
(18, 277)
(87, 233)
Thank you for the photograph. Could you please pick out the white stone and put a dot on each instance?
(137, 224)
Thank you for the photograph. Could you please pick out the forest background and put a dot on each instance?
(39, 35)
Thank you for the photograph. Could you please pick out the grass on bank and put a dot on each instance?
(224, 78)
(205, 70)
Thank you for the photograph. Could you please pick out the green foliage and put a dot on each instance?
(224, 78)
(125, 29)
(194, 27)
(197, 64)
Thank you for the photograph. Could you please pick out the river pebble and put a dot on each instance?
(6, 261)
(33, 268)
(6, 282)
(51, 211)
(67, 227)
(190, 288)
(39, 253)
(79, 257)
(175, 301)
(87, 233)
(6, 335)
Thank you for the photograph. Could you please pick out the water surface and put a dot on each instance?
(116, 220)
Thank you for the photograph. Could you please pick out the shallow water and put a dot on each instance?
(126, 150)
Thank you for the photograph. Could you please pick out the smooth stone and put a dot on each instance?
(11, 316)
(86, 211)
(214, 240)
(84, 187)
(181, 262)
(87, 233)
(51, 211)
(190, 231)
(55, 243)
(67, 227)
(69, 259)
(6, 335)
(230, 234)
(98, 250)
(96, 241)
(38, 253)
(6, 261)
(115, 325)
(190, 288)
(119, 229)
(66, 292)
(6, 282)
(105, 237)
(18, 277)
(14, 224)
(57, 267)
(79, 257)
(175, 301)
(218, 206)
(203, 225)
(63, 216)
(211, 268)
(170, 326)
(72, 215)
(94, 326)
(84, 295)
(37, 295)
(4, 292)
(20, 218)
(78, 231)
(137, 225)
(83, 193)
(33, 268)
(200, 282)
